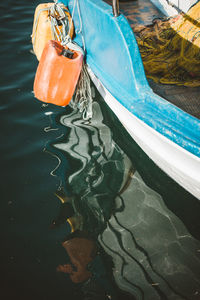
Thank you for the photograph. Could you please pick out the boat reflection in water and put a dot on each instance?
(126, 242)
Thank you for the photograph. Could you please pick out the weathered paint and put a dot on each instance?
(172, 7)
(175, 161)
(112, 54)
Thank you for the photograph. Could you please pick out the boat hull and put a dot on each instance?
(178, 163)
(113, 56)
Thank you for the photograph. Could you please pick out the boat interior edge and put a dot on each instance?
(143, 12)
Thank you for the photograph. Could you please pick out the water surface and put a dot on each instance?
(145, 226)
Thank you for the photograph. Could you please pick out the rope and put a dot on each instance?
(67, 38)
(72, 15)
(83, 96)
(81, 25)
(36, 23)
(82, 99)
(170, 49)
(57, 16)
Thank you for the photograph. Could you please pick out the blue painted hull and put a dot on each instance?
(113, 56)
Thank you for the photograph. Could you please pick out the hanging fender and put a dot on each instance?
(51, 22)
(57, 74)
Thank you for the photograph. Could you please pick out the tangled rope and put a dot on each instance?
(59, 18)
(170, 48)
(82, 99)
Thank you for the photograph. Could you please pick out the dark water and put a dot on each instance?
(146, 227)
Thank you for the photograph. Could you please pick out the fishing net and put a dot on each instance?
(170, 48)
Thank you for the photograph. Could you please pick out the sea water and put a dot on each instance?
(146, 227)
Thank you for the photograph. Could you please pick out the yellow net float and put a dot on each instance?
(51, 22)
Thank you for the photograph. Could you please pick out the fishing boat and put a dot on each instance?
(163, 119)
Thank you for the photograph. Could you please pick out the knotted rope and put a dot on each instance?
(82, 99)
(59, 18)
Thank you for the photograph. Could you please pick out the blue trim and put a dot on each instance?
(113, 55)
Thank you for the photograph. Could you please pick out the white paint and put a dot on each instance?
(165, 8)
(175, 161)
(183, 5)
(169, 7)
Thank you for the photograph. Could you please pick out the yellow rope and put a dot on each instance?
(170, 49)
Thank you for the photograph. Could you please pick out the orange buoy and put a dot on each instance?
(44, 30)
(57, 74)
